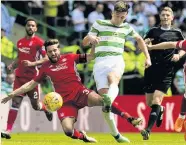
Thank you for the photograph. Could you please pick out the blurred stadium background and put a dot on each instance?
(56, 20)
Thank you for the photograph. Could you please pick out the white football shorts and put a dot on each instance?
(103, 66)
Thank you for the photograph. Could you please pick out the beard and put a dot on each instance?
(54, 61)
(31, 33)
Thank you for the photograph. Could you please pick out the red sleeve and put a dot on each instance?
(181, 45)
(42, 51)
(41, 75)
(41, 47)
(80, 58)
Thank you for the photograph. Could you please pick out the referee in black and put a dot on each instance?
(158, 77)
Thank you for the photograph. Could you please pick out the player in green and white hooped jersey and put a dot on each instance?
(108, 38)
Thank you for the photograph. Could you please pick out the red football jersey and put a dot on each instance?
(63, 74)
(29, 49)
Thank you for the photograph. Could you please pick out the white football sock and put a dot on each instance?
(109, 117)
(40, 105)
(113, 91)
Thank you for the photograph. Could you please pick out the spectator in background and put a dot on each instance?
(107, 11)
(50, 12)
(138, 27)
(8, 51)
(135, 13)
(21, 6)
(134, 69)
(183, 25)
(90, 7)
(151, 22)
(78, 21)
(63, 12)
(179, 81)
(6, 20)
(7, 86)
(150, 8)
(97, 14)
(3, 71)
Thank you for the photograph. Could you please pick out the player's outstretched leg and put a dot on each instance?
(68, 128)
(12, 115)
(96, 100)
(152, 119)
(116, 109)
(179, 121)
(39, 106)
(109, 117)
(145, 134)
(160, 117)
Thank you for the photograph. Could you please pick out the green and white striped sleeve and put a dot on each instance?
(94, 31)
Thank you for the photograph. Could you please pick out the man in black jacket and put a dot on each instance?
(158, 77)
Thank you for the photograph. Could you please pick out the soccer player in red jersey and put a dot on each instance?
(29, 52)
(180, 121)
(62, 71)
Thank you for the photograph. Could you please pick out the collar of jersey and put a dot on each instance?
(165, 28)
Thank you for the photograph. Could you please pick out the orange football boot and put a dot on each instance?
(185, 130)
(178, 124)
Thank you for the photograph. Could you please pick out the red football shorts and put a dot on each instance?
(71, 107)
(21, 81)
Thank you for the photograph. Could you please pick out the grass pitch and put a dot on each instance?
(103, 139)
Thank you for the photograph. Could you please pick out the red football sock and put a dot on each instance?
(11, 118)
(116, 109)
(77, 135)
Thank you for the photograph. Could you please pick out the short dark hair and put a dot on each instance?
(50, 42)
(121, 6)
(30, 19)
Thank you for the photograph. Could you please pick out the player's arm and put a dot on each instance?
(83, 58)
(142, 46)
(92, 38)
(42, 52)
(90, 56)
(177, 57)
(13, 65)
(23, 89)
(163, 45)
(35, 63)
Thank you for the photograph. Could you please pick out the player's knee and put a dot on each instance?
(16, 104)
(113, 78)
(68, 131)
